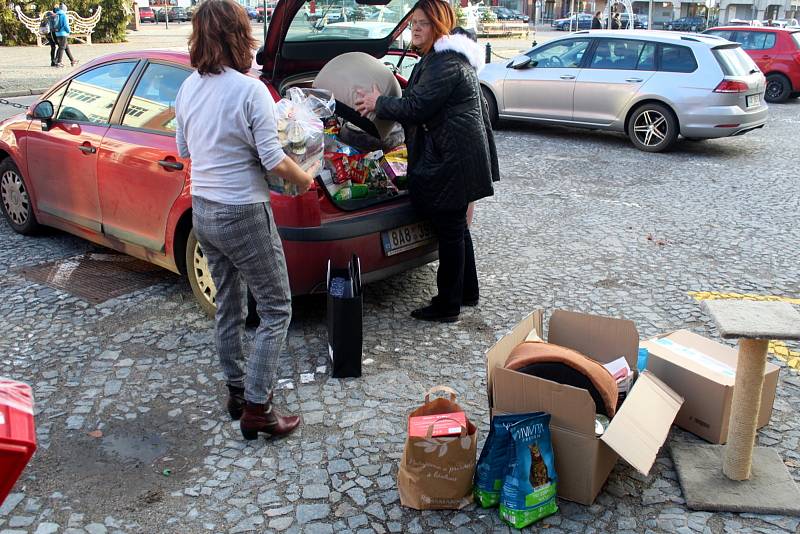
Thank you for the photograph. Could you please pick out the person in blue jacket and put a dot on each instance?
(62, 35)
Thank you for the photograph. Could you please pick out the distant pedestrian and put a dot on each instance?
(62, 32)
(47, 29)
(616, 22)
(597, 21)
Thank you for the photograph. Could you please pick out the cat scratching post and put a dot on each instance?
(752, 479)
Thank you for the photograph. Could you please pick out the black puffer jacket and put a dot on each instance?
(452, 159)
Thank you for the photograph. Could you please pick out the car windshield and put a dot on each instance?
(734, 61)
(343, 20)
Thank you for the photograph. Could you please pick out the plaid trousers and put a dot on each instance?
(242, 241)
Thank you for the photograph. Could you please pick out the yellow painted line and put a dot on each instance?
(778, 348)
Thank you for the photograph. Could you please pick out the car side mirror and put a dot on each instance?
(521, 62)
(43, 110)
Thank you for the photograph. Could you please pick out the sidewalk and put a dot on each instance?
(25, 70)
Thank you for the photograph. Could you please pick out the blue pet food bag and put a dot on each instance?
(529, 487)
(495, 459)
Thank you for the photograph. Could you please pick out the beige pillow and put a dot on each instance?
(345, 74)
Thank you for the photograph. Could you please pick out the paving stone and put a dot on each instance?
(311, 512)
(316, 491)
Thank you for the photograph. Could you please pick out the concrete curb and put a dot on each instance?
(23, 92)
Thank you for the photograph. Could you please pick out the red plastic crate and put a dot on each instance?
(17, 432)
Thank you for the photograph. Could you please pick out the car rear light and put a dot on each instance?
(732, 86)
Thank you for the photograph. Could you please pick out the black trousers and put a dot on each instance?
(63, 46)
(51, 41)
(457, 277)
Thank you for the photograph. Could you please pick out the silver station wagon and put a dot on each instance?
(653, 86)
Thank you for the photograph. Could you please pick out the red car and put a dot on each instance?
(147, 14)
(776, 51)
(96, 156)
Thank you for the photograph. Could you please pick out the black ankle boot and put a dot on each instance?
(236, 402)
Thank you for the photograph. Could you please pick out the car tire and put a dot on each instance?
(778, 88)
(794, 95)
(199, 276)
(491, 103)
(653, 127)
(15, 201)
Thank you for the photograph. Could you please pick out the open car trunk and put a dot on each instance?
(300, 42)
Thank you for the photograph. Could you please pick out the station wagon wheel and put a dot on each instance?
(199, 276)
(778, 88)
(653, 128)
(14, 199)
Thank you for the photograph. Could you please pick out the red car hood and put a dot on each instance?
(279, 58)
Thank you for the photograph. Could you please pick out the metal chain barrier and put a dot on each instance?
(12, 104)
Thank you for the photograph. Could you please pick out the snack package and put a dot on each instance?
(395, 164)
(495, 458)
(529, 488)
(300, 131)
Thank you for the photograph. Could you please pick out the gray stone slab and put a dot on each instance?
(770, 489)
(754, 319)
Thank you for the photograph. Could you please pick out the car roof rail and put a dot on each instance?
(687, 38)
(582, 32)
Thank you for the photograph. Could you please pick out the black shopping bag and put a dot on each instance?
(345, 305)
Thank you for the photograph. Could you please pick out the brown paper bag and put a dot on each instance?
(436, 473)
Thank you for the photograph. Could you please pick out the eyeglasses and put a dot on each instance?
(422, 24)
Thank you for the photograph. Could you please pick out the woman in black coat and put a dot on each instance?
(452, 160)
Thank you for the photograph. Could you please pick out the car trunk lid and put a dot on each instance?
(298, 42)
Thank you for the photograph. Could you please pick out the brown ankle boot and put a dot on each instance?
(235, 402)
(262, 418)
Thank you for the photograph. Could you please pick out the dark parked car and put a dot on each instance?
(687, 24)
(583, 21)
(519, 16)
(146, 14)
(503, 13)
(252, 13)
(176, 14)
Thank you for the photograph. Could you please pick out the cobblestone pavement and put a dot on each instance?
(26, 68)
(580, 220)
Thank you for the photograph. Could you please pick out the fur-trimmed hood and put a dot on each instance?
(463, 45)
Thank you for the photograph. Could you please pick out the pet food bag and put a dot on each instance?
(529, 487)
(495, 458)
(436, 473)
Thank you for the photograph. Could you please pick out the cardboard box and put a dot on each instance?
(583, 461)
(444, 424)
(703, 372)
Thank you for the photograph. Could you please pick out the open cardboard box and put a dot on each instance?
(583, 461)
(704, 373)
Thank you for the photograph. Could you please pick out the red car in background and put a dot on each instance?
(146, 14)
(776, 51)
(96, 156)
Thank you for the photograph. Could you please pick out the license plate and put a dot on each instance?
(753, 100)
(406, 238)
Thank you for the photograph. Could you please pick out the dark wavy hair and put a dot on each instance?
(221, 37)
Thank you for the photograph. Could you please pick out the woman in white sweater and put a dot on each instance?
(226, 125)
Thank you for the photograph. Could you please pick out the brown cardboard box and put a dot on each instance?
(704, 372)
(583, 462)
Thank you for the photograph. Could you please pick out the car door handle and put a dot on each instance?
(567, 77)
(633, 80)
(87, 149)
(171, 165)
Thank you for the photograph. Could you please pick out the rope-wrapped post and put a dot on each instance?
(488, 53)
(738, 455)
